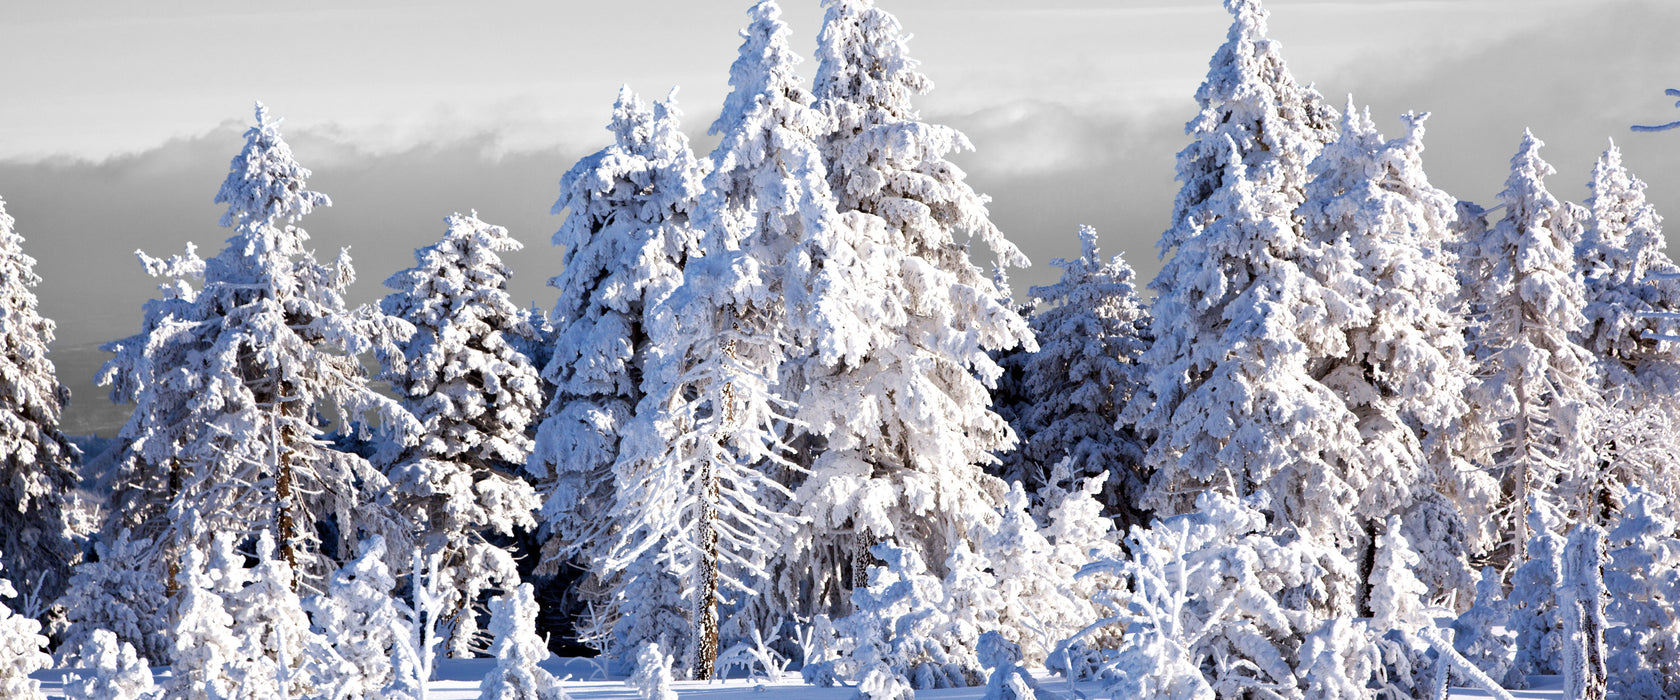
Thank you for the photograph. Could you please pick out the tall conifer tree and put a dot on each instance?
(1538, 384)
(37, 463)
(1232, 404)
(230, 381)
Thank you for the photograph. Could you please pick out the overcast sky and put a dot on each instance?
(119, 118)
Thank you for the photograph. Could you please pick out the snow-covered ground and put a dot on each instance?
(458, 680)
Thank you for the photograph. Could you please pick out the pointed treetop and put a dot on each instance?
(864, 63)
(1525, 190)
(632, 123)
(764, 70)
(264, 184)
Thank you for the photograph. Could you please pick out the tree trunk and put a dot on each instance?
(704, 649)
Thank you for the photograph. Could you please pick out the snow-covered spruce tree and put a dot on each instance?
(1387, 241)
(1231, 402)
(626, 237)
(1642, 577)
(517, 651)
(1632, 294)
(695, 468)
(230, 381)
(23, 650)
(202, 634)
(1627, 275)
(37, 464)
(475, 395)
(895, 372)
(359, 618)
(1537, 383)
(118, 592)
(1091, 334)
(108, 670)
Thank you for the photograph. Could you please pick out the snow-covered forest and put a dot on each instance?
(786, 427)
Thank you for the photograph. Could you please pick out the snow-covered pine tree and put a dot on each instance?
(118, 592)
(230, 380)
(475, 395)
(1537, 383)
(694, 469)
(895, 373)
(1628, 276)
(627, 238)
(108, 669)
(1632, 295)
(1232, 403)
(202, 633)
(1091, 332)
(1388, 239)
(518, 650)
(359, 618)
(23, 650)
(37, 463)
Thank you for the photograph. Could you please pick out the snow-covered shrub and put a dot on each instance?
(413, 655)
(272, 627)
(518, 650)
(117, 591)
(359, 617)
(1338, 661)
(1396, 594)
(1008, 679)
(1475, 633)
(108, 670)
(652, 679)
(1642, 577)
(902, 629)
(1202, 611)
(1533, 600)
(203, 636)
(22, 650)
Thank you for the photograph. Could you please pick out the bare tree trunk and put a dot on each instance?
(705, 643)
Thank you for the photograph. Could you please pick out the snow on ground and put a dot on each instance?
(458, 679)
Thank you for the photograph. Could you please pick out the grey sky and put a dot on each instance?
(119, 118)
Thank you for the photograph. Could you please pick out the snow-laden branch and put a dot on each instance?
(1671, 92)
